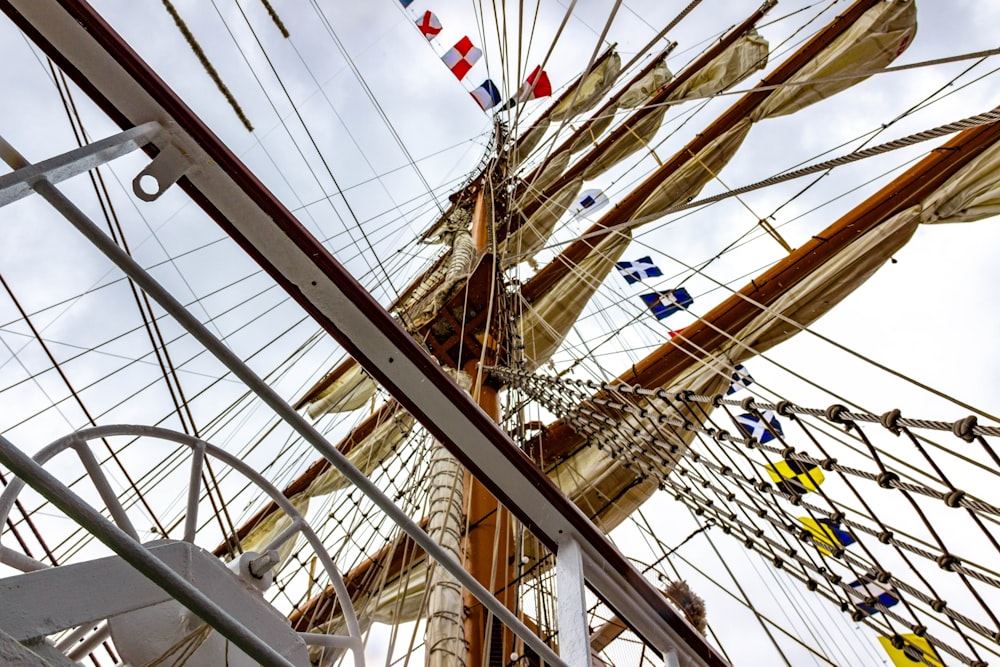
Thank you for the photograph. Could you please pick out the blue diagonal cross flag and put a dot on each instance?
(752, 427)
(664, 304)
(641, 268)
(741, 379)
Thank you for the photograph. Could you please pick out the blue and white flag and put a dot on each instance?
(486, 95)
(664, 304)
(635, 271)
(873, 591)
(741, 380)
(752, 427)
(590, 201)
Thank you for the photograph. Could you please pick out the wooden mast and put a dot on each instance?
(489, 542)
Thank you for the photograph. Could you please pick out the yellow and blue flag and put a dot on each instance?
(915, 651)
(828, 536)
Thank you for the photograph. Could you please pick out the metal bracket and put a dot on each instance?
(165, 170)
(21, 182)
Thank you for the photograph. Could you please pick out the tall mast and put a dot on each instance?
(489, 542)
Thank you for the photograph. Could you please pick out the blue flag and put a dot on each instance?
(664, 304)
(487, 95)
(752, 427)
(635, 271)
(406, 3)
(873, 592)
(741, 380)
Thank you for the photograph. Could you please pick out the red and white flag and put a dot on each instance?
(536, 86)
(429, 25)
(461, 57)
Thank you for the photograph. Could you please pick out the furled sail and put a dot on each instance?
(745, 56)
(640, 91)
(350, 391)
(531, 236)
(871, 43)
(748, 55)
(583, 95)
(547, 320)
(589, 92)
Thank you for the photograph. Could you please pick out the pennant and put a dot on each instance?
(461, 57)
(590, 201)
(674, 333)
(537, 85)
(635, 271)
(406, 3)
(486, 95)
(664, 304)
(916, 651)
(741, 379)
(429, 25)
(873, 593)
(752, 427)
(795, 478)
(828, 536)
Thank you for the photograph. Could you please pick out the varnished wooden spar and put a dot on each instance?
(681, 353)
(621, 214)
(651, 106)
(489, 541)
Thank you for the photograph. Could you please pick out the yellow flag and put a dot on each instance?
(827, 536)
(794, 477)
(916, 651)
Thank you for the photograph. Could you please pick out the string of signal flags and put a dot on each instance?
(464, 55)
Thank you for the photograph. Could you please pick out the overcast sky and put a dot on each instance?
(930, 316)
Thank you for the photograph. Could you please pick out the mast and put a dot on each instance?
(489, 542)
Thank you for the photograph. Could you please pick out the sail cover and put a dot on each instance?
(590, 91)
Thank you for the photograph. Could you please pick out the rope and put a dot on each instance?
(209, 69)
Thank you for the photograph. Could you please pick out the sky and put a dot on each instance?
(386, 121)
